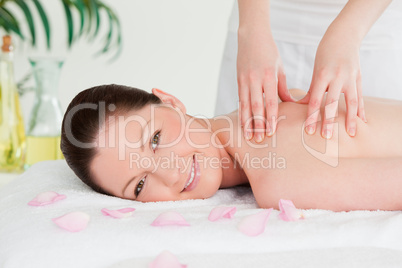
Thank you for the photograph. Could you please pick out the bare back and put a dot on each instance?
(344, 173)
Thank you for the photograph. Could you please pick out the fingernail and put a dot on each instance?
(352, 132)
(273, 129)
(310, 130)
(248, 135)
(364, 118)
(258, 137)
(327, 134)
(268, 132)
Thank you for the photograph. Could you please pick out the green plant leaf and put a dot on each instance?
(29, 18)
(90, 20)
(119, 36)
(89, 11)
(45, 21)
(4, 24)
(114, 23)
(93, 16)
(119, 47)
(80, 6)
(109, 34)
(9, 22)
(9, 16)
(70, 24)
(97, 18)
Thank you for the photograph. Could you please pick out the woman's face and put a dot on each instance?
(156, 154)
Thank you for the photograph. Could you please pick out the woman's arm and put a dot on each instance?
(355, 184)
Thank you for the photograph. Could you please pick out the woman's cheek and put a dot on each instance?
(198, 137)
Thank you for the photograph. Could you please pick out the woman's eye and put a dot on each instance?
(139, 187)
(155, 140)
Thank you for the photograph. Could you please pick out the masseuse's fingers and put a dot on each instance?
(271, 102)
(283, 91)
(352, 102)
(330, 109)
(284, 95)
(360, 112)
(245, 111)
(314, 98)
(257, 108)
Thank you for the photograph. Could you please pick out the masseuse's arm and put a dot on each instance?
(337, 66)
(259, 70)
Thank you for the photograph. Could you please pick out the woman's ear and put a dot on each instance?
(169, 99)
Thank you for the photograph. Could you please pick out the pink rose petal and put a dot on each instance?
(221, 212)
(166, 260)
(288, 211)
(254, 225)
(118, 213)
(170, 218)
(73, 222)
(46, 198)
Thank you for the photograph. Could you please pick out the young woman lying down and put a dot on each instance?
(132, 144)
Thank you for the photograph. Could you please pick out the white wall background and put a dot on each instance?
(173, 45)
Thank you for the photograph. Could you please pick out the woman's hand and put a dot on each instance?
(260, 76)
(336, 70)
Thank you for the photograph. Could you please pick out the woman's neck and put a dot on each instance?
(232, 173)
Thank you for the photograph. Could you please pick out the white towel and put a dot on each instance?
(29, 238)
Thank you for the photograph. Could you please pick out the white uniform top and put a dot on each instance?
(298, 26)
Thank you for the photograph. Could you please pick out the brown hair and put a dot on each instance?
(81, 123)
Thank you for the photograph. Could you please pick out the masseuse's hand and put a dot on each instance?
(259, 70)
(336, 70)
(337, 67)
(260, 74)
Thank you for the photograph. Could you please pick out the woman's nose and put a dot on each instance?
(168, 176)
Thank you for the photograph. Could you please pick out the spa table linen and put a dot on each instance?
(29, 237)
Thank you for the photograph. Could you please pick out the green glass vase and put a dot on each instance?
(44, 125)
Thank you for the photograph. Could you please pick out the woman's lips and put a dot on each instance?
(197, 175)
